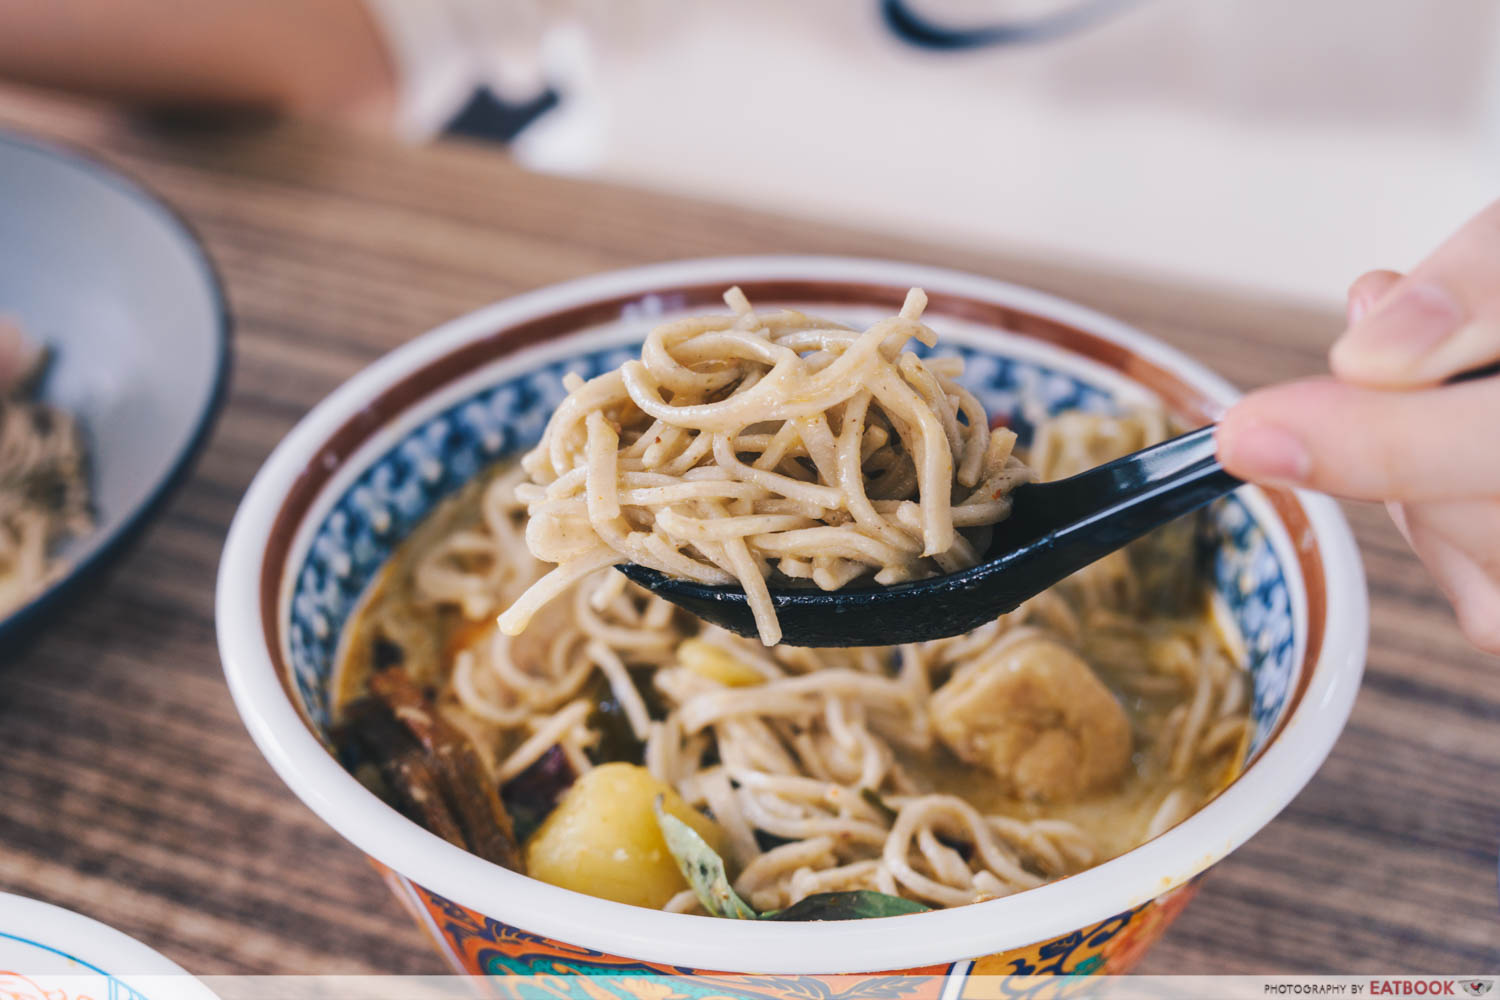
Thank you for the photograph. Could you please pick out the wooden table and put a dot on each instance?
(129, 789)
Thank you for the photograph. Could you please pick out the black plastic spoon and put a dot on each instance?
(1054, 529)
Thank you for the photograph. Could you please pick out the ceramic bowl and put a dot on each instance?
(49, 953)
(352, 479)
(111, 280)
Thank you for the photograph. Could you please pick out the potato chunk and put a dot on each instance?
(603, 840)
(1036, 716)
(717, 664)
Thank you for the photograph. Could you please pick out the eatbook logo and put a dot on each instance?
(1477, 987)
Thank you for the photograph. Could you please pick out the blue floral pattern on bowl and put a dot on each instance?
(437, 457)
(23, 981)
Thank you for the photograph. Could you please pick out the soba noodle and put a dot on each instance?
(741, 446)
(916, 771)
(44, 495)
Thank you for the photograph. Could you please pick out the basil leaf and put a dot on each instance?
(857, 904)
(701, 865)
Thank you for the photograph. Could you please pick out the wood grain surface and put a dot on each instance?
(130, 791)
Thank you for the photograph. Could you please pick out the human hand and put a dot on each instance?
(1386, 427)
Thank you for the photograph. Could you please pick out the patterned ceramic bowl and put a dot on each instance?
(352, 479)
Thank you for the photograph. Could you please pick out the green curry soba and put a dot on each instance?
(1059, 736)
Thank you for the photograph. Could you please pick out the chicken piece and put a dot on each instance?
(1035, 715)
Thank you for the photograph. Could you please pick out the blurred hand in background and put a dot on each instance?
(322, 59)
(413, 67)
(1387, 427)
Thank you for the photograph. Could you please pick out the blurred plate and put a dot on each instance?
(49, 953)
(116, 285)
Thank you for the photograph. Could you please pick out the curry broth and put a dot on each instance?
(1117, 820)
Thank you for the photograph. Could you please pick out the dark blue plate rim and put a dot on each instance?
(32, 613)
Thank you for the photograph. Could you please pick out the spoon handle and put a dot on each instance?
(1098, 511)
(1475, 374)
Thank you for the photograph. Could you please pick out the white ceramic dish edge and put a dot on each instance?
(82, 947)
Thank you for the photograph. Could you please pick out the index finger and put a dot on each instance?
(1367, 444)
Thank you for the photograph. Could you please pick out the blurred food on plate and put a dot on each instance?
(44, 489)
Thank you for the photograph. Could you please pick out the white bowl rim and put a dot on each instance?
(81, 939)
(943, 936)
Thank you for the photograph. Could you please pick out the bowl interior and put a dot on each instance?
(428, 450)
(105, 276)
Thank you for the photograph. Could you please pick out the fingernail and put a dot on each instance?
(1402, 331)
(1358, 306)
(1267, 453)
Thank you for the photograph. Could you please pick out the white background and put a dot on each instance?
(1280, 146)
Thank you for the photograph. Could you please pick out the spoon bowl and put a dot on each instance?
(1054, 529)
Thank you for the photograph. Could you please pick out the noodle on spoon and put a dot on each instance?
(746, 448)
